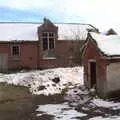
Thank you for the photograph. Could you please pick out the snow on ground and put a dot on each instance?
(77, 95)
(85, 101)
(110, 118)
(60, 111)
(42, 81)
(81, 104)
(106, 104)
(54, 81)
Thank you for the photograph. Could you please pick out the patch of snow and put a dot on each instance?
(79, 95)
(110, 118)
(110, 44)
(41, 82)
(60, 111)
(106, 104)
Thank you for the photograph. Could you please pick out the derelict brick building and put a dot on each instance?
(46, 45)
(101, 60)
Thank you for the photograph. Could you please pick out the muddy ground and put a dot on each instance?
(16, 103)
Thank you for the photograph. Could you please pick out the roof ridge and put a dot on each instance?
(42, 22)
(73, 23)
(54, 23)
(21, 22)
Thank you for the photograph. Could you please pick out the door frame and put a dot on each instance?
(94, 84)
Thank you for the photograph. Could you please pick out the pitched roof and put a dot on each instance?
(28, 31)
(109, 45)
(111, 32)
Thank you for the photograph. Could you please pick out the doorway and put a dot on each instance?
(3, 62)
(93, 73)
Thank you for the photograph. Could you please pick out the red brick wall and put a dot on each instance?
(28, 55)
(64, 53)
(92, 53)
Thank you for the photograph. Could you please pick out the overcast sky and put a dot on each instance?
(103, 14)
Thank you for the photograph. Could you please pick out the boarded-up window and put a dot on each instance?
(16, 50)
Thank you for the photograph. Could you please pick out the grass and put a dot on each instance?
(12, 92)
(16, 103)
(64, 91)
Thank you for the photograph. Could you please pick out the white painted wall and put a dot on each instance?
(113, 77)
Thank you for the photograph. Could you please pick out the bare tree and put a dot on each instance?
(76, 46)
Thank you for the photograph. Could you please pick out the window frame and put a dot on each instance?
(48, 37)
(17, 55)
